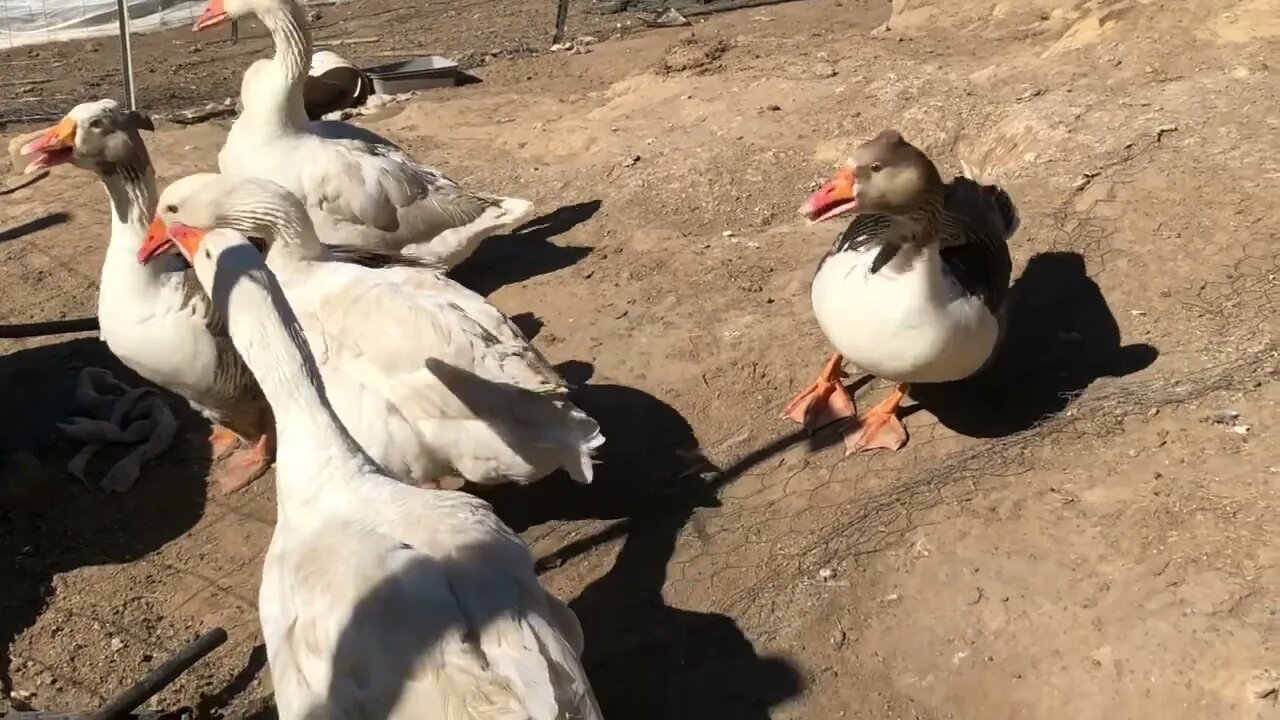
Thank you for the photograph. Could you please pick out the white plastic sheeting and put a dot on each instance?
(28, 22)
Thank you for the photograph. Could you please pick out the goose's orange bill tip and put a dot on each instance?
(52, 147)
(214, 15)
(837, 196)
(156, 242)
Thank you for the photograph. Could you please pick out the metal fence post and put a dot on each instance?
(562, 19)
(126, 54)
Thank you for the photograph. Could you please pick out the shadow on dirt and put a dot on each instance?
(1061, 337)
(33, 226)
(51, 523)
(527, 251)
(645, 658)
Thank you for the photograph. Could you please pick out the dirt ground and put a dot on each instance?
(1085, 532)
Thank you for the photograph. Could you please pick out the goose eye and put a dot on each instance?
(876, 167)
(95, 123)
(171, 208)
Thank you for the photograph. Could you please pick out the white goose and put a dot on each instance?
(379, 599)
(358, 192)
(432, 380)
(155, 318)
(913, 290)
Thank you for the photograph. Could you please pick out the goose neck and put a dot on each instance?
(313, 448)
(292, 41)
(131, 190)
(274, 102)
(288, 229)
(922, 226)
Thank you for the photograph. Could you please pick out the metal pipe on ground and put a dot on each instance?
(52, 327)
(156, 680)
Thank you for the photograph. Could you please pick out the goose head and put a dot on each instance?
(256, 207)
(218, 12)
(886, 175)
(100, 136)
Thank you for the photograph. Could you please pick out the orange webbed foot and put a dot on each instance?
(825, 400)
(239, 470)
(879, 428)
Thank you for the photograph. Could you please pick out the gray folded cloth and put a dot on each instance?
(120, 415)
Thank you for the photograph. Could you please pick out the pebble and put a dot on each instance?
(824, 70)
(838, 638)
(1264, 685)
(1223, 417)
(826, 574)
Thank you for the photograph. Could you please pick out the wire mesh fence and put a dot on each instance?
(55, 54)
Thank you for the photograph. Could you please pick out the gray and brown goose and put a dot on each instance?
(156, 318)
(913, 290)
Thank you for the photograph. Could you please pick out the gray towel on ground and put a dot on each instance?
(117, 414)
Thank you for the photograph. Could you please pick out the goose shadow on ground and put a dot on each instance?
(645, 658)
(1061, 337)
(43, 222)
(51, 523)
(527, 251)
(26, 181)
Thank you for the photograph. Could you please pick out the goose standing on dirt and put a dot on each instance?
(379, 599)
(156, 319)
(358, 193)
(913, 290)
(432, 380)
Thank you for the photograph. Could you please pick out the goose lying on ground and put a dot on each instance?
(432, 380)
(358, 192)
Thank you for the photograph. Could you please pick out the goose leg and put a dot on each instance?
(879, 428)
(222, 441)
(825, 400)
(244, 466)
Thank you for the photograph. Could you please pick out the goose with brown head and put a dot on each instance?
(912, 289)
(887, 176)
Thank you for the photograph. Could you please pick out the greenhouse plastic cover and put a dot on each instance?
(28, 22)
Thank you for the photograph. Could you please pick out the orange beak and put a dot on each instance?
(156, 242)
(187, 239)
(215, 14)
(53, 147)
(837, 197)
(160, 237)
